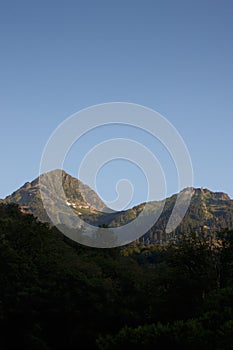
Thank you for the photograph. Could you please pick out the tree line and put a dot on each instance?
(57, 294)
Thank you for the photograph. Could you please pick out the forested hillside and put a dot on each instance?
(56, 294)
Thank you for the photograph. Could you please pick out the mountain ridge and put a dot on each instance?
(210, 210)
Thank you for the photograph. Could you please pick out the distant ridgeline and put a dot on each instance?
(208, 213)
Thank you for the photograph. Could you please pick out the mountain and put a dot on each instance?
(208, 212)
(80, 197)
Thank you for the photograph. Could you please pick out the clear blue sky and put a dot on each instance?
(58, 57)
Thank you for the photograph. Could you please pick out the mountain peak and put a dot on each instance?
(207, 193)
(80, 197)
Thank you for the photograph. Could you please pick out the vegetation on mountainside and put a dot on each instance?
(56, 294)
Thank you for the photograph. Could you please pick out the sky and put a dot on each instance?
(58, 57)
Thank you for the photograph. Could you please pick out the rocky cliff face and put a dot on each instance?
(81, 198)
